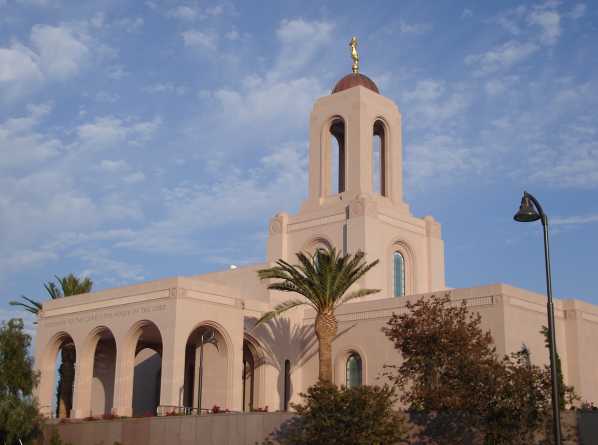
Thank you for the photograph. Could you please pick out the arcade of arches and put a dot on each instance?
(206, 362)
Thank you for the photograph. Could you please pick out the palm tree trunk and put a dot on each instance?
(326, 327)
(65, 382)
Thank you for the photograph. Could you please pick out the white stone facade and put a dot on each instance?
(137, 348)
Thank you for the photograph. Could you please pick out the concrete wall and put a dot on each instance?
(238, 429)
(214, 429)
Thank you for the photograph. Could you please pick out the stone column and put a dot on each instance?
(123, 379)
(173, 368)
(83, 379)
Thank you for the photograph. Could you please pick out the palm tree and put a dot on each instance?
(69, 285)
(324, 279)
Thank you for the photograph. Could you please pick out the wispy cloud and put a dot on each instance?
(575, 220)
(500, 58)
(414, 28)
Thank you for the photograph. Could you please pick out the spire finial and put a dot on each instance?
(354, 54)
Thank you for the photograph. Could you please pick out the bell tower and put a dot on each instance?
(355, 142)
(355, 193)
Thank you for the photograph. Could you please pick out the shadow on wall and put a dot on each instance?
(282, 340)
(146, 382)
(104, 369)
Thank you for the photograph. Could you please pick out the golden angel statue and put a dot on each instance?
(354, 54)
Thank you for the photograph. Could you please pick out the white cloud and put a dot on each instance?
(98, 20)
(56, 53)
(500, 85)
(550, 23)
(61, 52)
(134, 178)
(109, 166)
(41, 202)
(21, 141)
(106, 97)
(39, 2)
(501, 57)
(261, 101)
(442, 157)
(236, 197)
(432, 102)
(110, 131)
(511, 19)
(578, 11)
(18, 63)
(310, 37)
(183, 12)
(165, 87)
(200, 40)
(130, 24)
(215, 10)
(232, 35)
(574, 220)
(19, 72)
(116, 72)
(103, 268)
(414, 28)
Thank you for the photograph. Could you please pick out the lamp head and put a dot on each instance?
(527, 212)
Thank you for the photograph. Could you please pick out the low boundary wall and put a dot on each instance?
(234, 429)
(213, 429)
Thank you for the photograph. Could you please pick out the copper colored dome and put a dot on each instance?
(354, 79)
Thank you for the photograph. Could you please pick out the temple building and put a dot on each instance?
(189, 343)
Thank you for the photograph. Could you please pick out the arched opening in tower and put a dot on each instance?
(337, 156)
(379, 159)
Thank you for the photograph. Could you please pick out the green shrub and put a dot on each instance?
(362, 415)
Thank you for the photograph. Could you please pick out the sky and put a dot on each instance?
(142, 140)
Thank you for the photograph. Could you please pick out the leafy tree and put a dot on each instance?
(362, 415)
(67, 286)
(19, 418)
(324, 280)
(567, 394)
(454, 383)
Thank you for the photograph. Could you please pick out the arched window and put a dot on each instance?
(337, 157)
(379, 159)
(399, 274)
(354, 370)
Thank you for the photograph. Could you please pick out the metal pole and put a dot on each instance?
(552, 337)
(200, 375)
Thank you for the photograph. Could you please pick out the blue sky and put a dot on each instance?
(141, 140)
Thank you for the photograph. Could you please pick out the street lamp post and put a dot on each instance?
(529, 211)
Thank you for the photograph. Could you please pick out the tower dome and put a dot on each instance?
(353, 80)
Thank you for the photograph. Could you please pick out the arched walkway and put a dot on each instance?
(206, 369)
(57, 376)
(147, 372)
(104, 367)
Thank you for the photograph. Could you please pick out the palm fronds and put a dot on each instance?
(322, 278)
(69, 285)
